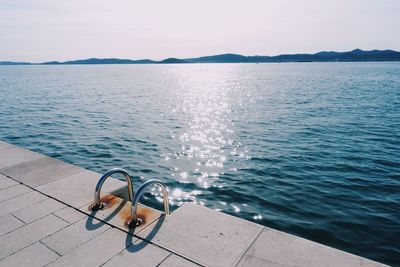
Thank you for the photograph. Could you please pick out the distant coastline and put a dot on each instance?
(356, 55)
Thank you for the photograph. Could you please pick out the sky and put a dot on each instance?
(45, 30)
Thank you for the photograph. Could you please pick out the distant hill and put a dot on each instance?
(172, 60)
(356, 55)
(14, 63)
(227, 58)
(101, 61)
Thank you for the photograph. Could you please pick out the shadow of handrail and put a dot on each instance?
(131, 245)
(90, 225)
(136, 246)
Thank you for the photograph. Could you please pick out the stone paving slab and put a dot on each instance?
(251, 261)
(206, 236)
(35, 255)
(97, 251)
(78, 189)
(6, 182)
(70, 215)
(274, 247)
(20, 202)
(15, 155)
(4, 145)
(13, 191)
(41, 171)
(9, 223)
(38, 210)
(176, 261)
(74, 235)
(29, 234)
(139, 255)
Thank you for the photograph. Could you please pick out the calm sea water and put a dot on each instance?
(312, 149)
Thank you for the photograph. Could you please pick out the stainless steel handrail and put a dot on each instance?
(97, 205)
(135, 221)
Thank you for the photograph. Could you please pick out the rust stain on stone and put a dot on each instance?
(125, 214)
(142, 214)
(109, 201)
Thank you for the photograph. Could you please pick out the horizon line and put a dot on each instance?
(148, 60)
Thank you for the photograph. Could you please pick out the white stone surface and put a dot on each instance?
(176, 261)
(275, 247)
(9, 223)
(6, 182)
(251, 261)
(38, 210)
(74, 235)
(29, 234)
(20, 202)
(96, 251)
(4, 145)
(40, 171)
(33, 256)
(16, 155)
(78, 189)
(140, 254)
(206, 236)
(13, 191)
(70, 214)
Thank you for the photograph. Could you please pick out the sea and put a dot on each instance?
(312, 149)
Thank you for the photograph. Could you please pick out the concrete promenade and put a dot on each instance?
(45, 221)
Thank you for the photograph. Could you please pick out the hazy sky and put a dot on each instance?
(42, 30)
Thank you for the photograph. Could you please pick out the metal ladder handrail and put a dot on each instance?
(138, 195)
(97, 205)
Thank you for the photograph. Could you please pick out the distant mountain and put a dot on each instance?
(50, 63)
(100, 61)
(14, 63)
(227, 58)
(172, 60)
(356, 55)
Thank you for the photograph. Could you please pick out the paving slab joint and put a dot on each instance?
(49, 248)
(169, 255)
(247, 249)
